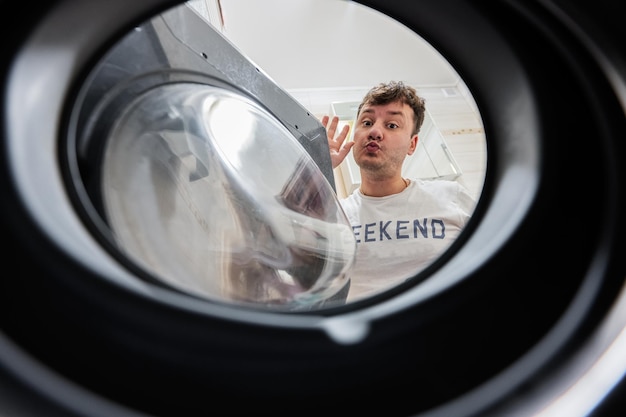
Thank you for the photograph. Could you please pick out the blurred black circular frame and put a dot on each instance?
(524, 316)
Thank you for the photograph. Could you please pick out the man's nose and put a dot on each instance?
(375, 133)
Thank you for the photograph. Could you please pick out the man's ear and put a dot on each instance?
(413, 145)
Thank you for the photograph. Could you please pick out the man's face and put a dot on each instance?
(383, 138)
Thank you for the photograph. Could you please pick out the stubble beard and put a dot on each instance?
(377, 168)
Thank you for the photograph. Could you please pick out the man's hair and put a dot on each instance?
(393, 91)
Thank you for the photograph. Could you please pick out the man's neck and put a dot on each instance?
(382, 188)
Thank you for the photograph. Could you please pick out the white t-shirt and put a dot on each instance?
(399, 235)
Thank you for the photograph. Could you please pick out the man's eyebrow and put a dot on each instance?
(395, 114)
(390, 112)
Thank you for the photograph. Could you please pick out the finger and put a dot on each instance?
(337, 156)
(325, 120)
(344, 132)
(332, 127)
(341, 137)
(345, 149)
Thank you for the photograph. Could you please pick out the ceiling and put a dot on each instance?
(331, 50)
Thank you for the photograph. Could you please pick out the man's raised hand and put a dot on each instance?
(337, 144)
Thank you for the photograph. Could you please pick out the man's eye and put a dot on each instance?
(366, 123)
(392, 126)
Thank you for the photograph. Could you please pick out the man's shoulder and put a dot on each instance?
(437, 184)
(446, 190)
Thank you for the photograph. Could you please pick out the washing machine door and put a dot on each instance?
(174, 246)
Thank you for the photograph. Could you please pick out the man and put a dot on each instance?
(401, 225)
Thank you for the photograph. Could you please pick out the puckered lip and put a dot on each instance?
(372, 146)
